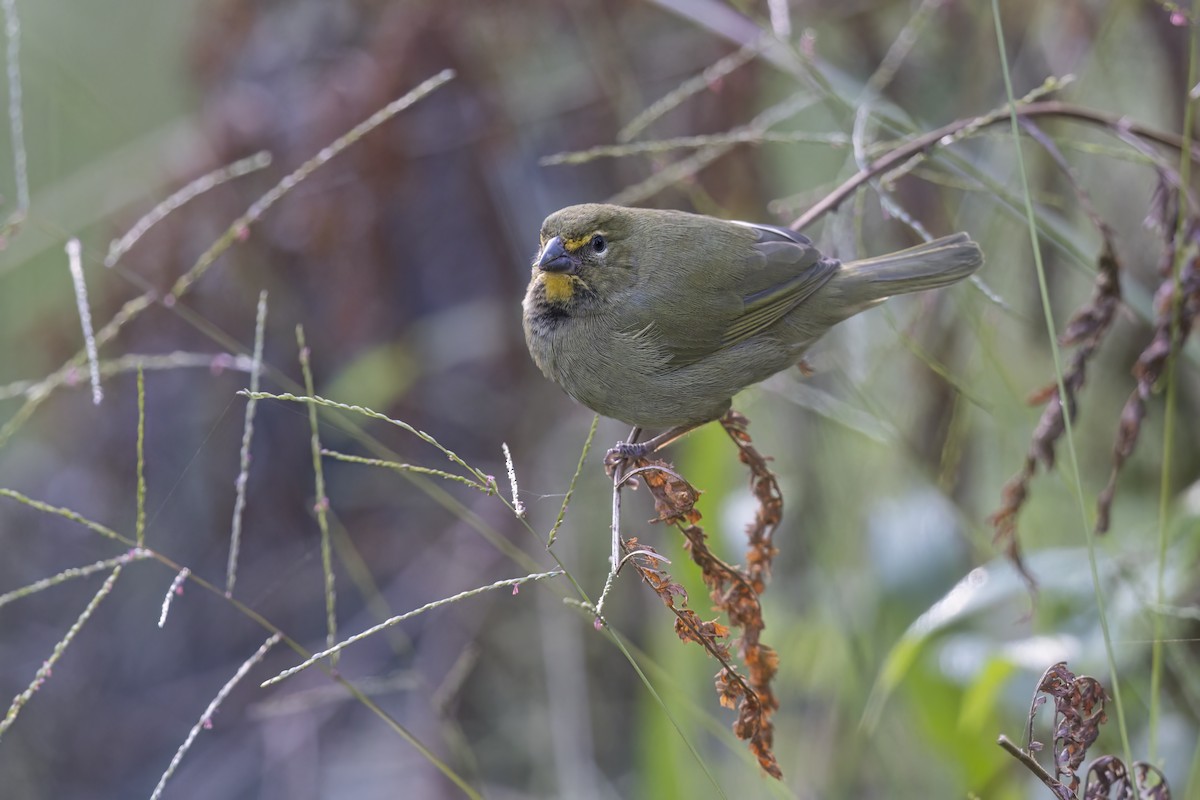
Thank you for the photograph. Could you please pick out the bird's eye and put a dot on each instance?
(598, 244)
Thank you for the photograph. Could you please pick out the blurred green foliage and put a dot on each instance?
(907, 642)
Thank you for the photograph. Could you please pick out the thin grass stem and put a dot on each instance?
(205, 720)
(337, 648)
(243, 477)
(562, 512)
(1069, 433)
(321, 506)
(47, 667)
(140, 524)
(1182, 251)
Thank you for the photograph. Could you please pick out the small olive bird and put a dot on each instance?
(658, 318)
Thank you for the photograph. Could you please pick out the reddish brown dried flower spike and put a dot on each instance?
(1176, 315)
(688, 624)
(734, 590)
(1109, 773)
(1079, 713)
(674, 498)
(1085, 331)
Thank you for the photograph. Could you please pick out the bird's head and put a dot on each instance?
(585, 256)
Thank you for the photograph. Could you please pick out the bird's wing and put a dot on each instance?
(784, 270)
(702, 309)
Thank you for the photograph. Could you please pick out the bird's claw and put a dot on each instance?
(621, 455)
(628, 451)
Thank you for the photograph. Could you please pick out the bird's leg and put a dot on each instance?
(633, 449)
(623, 453)
(656, 443)
(628, 449)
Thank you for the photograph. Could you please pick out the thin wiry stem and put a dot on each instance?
(176, 588)
(205, 720)
(662, 704)
(976, 126)
(1192, 787)
(656, 146)
(366, 412)
(204, 183)
(237, 231)
(132, 362)
(688, 88)
(240, 228)
(673, 173)
(401, 467)
(71, 574)
(243, 477)
(615, 534)
(16, 118)
(1058, 374)
(926, 141)
(337, 648)
(267, 625)
(781, 20)
(1172, 391)
(889, 204)
(562, 512)
(598, 609)
(67, 513)
(322, 502)
(517, 506)
(75, 264)
(140, 525)
(1029, 761)
(48, 665)
(901, 46)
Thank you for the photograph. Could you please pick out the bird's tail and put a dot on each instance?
(927, 266)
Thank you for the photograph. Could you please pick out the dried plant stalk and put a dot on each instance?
(736, 591)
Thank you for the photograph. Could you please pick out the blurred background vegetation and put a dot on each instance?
(907, 642)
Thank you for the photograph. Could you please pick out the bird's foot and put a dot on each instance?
(621, 456)
(628, 451)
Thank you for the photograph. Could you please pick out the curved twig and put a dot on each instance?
(926, 141)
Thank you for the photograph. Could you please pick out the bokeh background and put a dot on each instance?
(907, 642)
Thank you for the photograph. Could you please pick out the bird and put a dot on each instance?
(657, 318)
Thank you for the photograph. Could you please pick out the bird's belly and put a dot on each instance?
(628, 382)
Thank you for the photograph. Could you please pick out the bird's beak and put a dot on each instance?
(555, 258)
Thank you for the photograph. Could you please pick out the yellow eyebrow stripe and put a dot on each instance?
(571, 245)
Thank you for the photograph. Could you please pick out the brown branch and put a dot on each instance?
(927, 141)
(1033, 766)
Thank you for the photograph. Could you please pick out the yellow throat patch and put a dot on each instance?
(560, 288)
